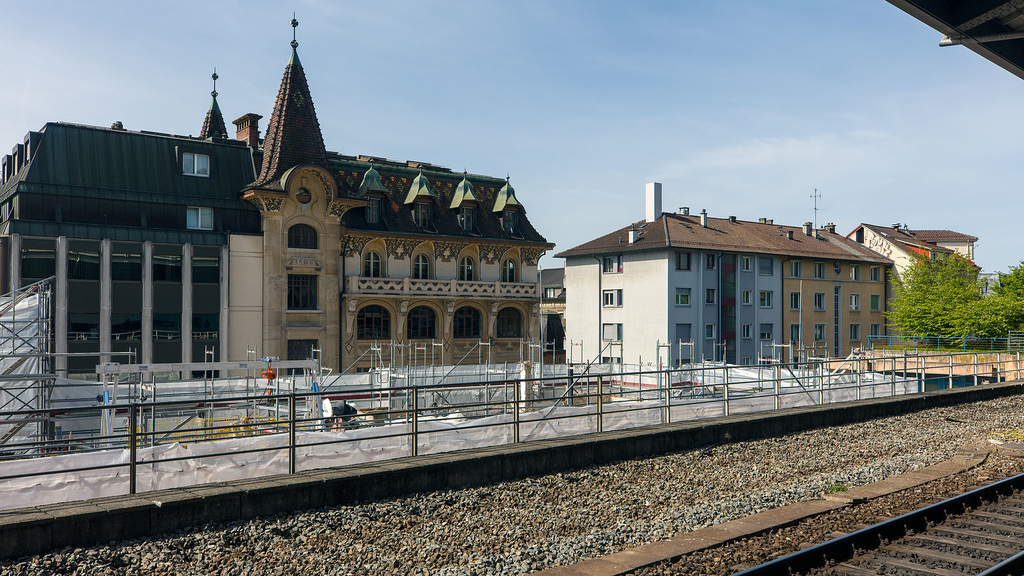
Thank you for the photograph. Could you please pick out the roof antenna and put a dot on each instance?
(815, 196)
(295, 24)
(214, 93)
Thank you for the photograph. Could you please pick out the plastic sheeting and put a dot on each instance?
(56, 478)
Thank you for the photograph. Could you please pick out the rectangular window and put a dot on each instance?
(510, 222)
(766, 331)
(302, 293)
(794, 300)
(819, 332)
(747, 331)
(794, 333)
(745, 361)
(766, 298)
(682, 260)
(709, 331)
(709, 262)
(198, 218)
(301, 349)
(195, 164)
(854, 302)
(611, 332)
(746, 297)
(467, 215)
(611, 298)
(876, 303)
(876, 273)
(373, 206)
(422, 214)
(709, 296)
(745, 263)
(876, 329)
(682, 296)
(819, 270)
(766, 266)
(854, 272)
(819, 301)
(795, 269)
(611, 264)
(854, 332)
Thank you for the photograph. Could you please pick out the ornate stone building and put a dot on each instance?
(184, 249)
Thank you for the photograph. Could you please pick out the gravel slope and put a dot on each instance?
(527, 525)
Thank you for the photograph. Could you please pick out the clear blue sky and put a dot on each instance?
(738, 107)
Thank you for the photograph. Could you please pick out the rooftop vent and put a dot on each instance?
(684, 210)
(789, 234)
(896, 225)
(732, 219)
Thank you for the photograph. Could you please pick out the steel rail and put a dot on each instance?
(845, 547)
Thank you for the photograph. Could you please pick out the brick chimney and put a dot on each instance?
(248, 129)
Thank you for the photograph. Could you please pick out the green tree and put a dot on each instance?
(1011, 284)
(934, 296)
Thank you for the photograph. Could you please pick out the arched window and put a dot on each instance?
(466, 323)
(421, 267)
(509, 323)
(371, 265)
(508, 271)
(373, 323)
(466, 269)
(422, 324)
(302, 236)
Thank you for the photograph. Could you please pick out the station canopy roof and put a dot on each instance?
(991, 28)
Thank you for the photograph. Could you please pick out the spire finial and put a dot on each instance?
(214, 93)
(295, 24)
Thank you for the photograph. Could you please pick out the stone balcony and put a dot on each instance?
(410, 288)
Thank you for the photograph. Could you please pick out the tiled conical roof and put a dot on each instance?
(213, 126)
(293, 133)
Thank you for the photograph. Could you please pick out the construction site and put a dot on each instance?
(135, 428)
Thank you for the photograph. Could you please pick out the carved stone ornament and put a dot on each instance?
(303, 262)
(354, 244)
(530, 255)
(447, 251)
(337, 208)
(400, 248)
(266, 203)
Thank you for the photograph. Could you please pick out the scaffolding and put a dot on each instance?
(26, 363)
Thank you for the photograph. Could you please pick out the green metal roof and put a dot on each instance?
(463, 192)
(420, 187)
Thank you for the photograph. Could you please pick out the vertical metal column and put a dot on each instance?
(415, 422)
(975, 357)
(291, 429)
(60, 320)
(725, 387)
(133, 451)
(950, 371)
(515, 411)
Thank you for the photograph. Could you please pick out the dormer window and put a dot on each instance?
(467, 218)
(373, 210)
(195, 164)
(510, 222)
(422, 214)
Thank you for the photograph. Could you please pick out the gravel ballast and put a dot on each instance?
(535, 523)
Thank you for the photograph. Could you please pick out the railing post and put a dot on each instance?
(133, 448)
(777, 386)
(415, 420)
(568, 387)
(664, 390)
(893, 391)
(975, 369)
(600, 403)
(291, 429)
(857, 374)
(950, 370)
(1018, 364)
(515, 411)
(725, 387)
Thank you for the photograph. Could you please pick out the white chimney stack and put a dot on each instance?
(704, 218)
(653, 201)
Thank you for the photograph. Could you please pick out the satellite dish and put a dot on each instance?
(328, 408)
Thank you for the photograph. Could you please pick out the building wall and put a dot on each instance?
(807, 316)
(902, 258)
(245, 296)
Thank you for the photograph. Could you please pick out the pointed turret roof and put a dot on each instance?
(293, 133)
(463, 193)
(420, 187)
(213, 125)
(371, 182)
(506, 197)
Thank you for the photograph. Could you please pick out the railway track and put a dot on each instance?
(980, 532)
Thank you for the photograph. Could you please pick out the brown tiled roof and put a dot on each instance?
(293, 133)
(904, 236)
(213, 125)
(942, 236)
(726, 235)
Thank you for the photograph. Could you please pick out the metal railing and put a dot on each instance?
(948, 344)
(177, 442)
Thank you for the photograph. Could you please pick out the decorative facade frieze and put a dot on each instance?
(530, 255)
(491, 253)
(266, 203)
(400, 248)
(447, 251)
(353, 245)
